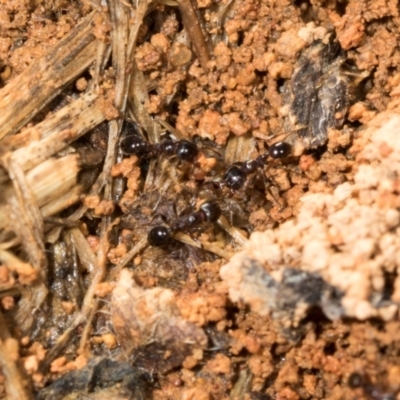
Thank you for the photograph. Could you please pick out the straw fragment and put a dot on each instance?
(47, 182)
(45, 78)
(38, 143)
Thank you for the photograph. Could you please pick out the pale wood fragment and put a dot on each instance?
(45, 78)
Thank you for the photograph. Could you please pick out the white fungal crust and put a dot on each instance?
(140, 316)
(350, 238)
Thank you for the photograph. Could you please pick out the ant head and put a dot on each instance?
(212, 211)
(235, 177)
(186, 151)
(280, 150)
(159, 236)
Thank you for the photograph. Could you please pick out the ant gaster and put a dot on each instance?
(161, 235)
(235, 177)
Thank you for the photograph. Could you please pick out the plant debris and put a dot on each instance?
(317, 94)
(293, 293)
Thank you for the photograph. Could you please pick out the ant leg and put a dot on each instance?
(272, 189)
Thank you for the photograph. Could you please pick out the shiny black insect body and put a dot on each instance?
(162, 235)
(236, 175)
(234, 178)
(183, 150)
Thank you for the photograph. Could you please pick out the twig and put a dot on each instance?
(128, 257)
(234, 232)
(193, 27)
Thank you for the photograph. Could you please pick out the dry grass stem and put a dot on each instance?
(89, 305)
(47, 182)
(120, 120)
(237, 235)
(63, 202)
(56, 132)
(44, 79)
(138, 96)
(140, 245)
(25, 271)
(213, 248)
(25, 213)
(85, 252)
(193, 28)
(20, 213)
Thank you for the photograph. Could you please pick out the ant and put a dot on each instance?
(235, 177)
(357, 380)
(183, 149)
(161, 235)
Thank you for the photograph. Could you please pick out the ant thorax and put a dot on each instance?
(317, 95)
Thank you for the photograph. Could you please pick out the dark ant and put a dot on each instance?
(357, 380)
(161, 235)
(235, 177)
(184, 150)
